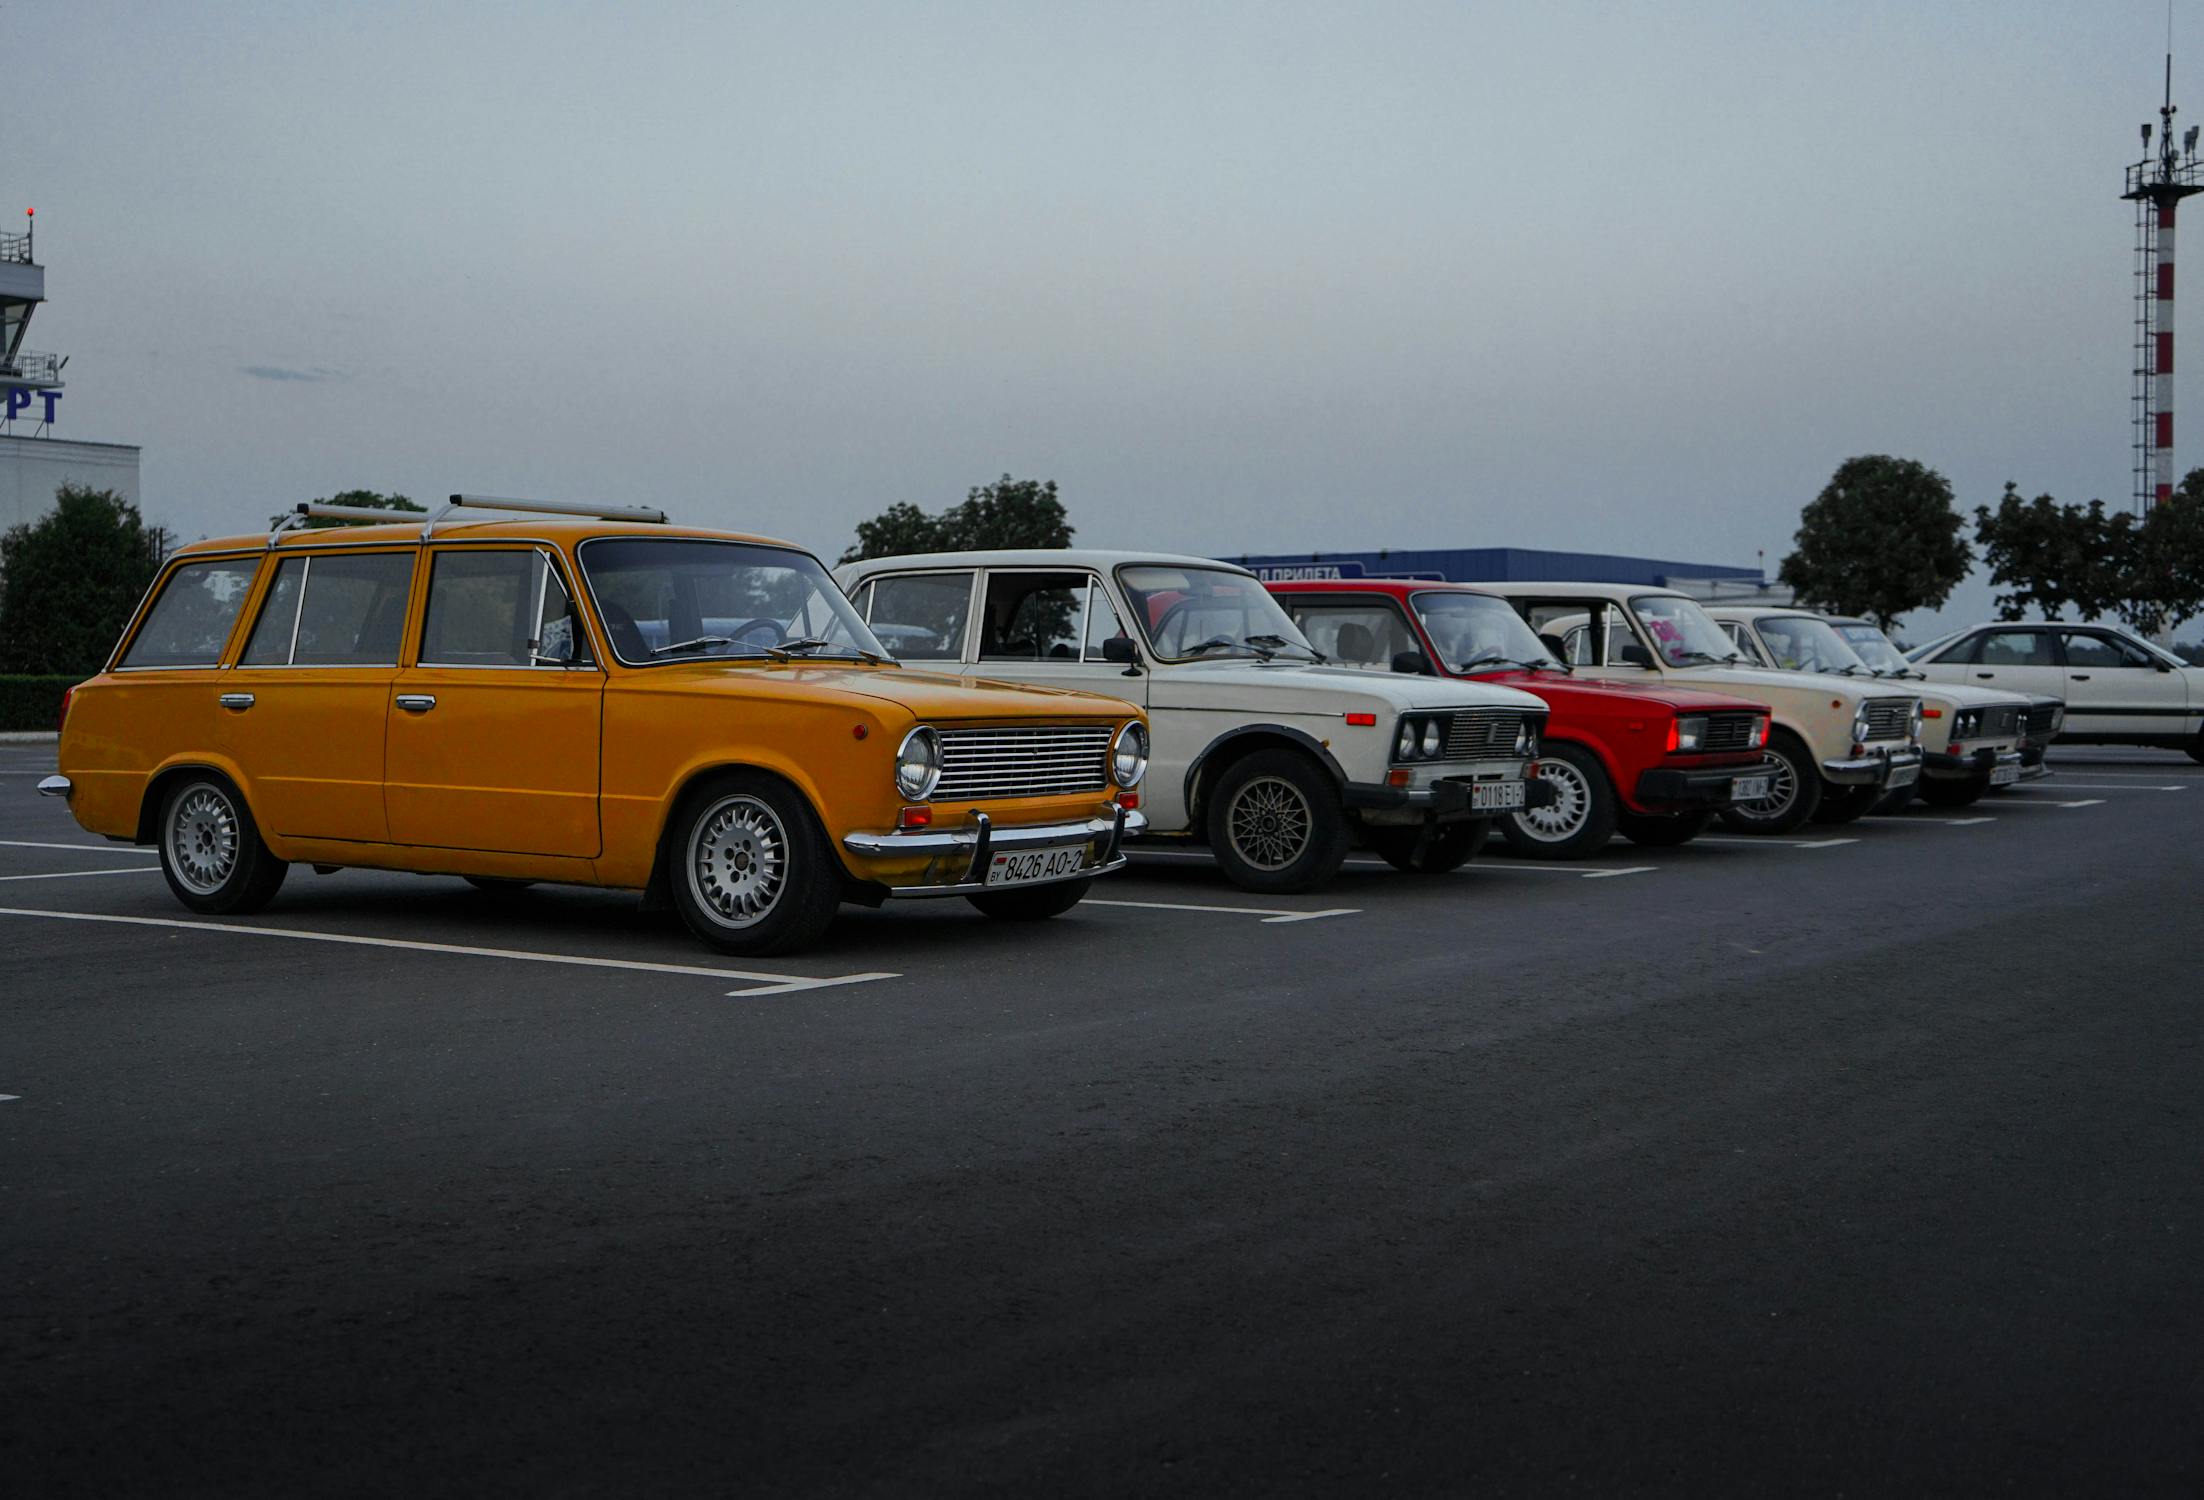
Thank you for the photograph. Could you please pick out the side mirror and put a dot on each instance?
(1119, 648)
(2161, 666)
(1633, 656)
(1414, 664)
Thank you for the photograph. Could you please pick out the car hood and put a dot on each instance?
(1749, 681)
(1559, 689)
(1960, 695)
(932, 696)
(1270, 686)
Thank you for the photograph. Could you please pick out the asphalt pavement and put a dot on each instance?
(1866, 1161)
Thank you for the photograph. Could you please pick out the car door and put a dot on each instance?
(2024, 659)
(2114, 688)
(494, 725)
(170, 677)
(1049, 628)
(303, 717)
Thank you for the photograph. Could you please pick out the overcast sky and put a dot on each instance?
(1241, 278)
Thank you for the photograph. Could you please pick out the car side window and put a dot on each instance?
(921, 616)
(1032, 616)
(1355, 635)
(860, 599)
(2017, 648)
(190, 622)
(1102, 622)
(333, 609)
(2100, 652)
(497, 607)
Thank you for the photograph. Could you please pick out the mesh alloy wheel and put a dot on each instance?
(1572, 803)
(203, 839)
(1782, 792)
(1269, 821)
(737, 861)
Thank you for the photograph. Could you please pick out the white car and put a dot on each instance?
(2118, 690)
(1277, 761)
(2038, 727)
(1838, 745)
(1970, 737)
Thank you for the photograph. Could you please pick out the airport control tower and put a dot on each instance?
(30, 382)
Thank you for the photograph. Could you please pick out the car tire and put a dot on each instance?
(1034, 904)
(1581, 821)
(749, 868)
(497, 885)
(1954, 793)
(1662, 830)
(1451, 847)
(212, 854)
(1275, 823)
(1797, 791)
(1847, 804)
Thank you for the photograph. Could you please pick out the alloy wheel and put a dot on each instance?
(1572, 803)
(1269, 821)
(738, 861)
(1782, 792)
(203, 840)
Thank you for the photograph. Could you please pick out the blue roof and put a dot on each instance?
(1483, 565)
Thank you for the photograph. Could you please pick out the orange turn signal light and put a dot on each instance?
(1128, 800)
(1931, 713)
(1367, 721)
(915, 817)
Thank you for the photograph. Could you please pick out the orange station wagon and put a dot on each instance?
(590, 696)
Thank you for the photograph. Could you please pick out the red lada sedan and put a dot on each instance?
(1655, 766)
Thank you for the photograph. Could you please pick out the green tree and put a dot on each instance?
(70, 580)
(1008, 513)
(2165, 574)
(2051, 557)
(364, 499)
(1880, 540)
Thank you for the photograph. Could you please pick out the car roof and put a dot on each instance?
(1100, 559)
(1394, 586)
(1749, 612)
(555, 529)
(1518, 588)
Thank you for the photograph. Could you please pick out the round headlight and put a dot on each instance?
(918, 763)
(1129, 755)
(1405, 747)
(1430, 737)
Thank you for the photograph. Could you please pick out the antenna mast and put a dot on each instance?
(2156, 184)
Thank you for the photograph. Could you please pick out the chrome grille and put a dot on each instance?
(2043, 718)
(1046, 761)
(1482, 733)
(1889, 718)
(1728, 732)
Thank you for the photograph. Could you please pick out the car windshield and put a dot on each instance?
(1801, 643)
(668, 599)
(1682, 632)
(1469, 630)
(1873, 647)
(1192, 613)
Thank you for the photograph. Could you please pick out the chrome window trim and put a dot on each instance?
(162, 575)
(581, 565)
(975, 598)
(1086, 607)
(542, 549)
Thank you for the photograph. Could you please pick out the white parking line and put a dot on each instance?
(2114, 786)
(1776, 843)
(1270, 914)
(75, 874)
(1581, 872)
(81, 848)
(768, 983)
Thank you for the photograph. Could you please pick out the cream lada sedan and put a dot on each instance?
(1970, 737)
(1275, 760)
(1837, 745)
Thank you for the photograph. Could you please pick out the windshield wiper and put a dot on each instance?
(1852, 669)
(1500, 661)
(1707, 656)
(691, 645)
(786, 650)
(1280, 643)
(1220, 643)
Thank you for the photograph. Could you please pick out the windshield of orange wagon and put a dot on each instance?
(668, 599)
(1192, 613)
(1682, 632)
(1473, 631)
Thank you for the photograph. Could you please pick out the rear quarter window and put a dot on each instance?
(191, 617)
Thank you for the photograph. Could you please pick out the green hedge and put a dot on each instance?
(32, 702)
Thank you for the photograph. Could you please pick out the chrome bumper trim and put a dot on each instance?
(974, 887)
(1869, 770)
(56, 786)
(898, 844)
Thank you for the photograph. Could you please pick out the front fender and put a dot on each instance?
(1299, 738)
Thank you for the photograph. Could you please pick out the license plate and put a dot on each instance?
(2004, 775)
(1903, 775)
(1022, 866)
(1495, 796)
(1751, 788)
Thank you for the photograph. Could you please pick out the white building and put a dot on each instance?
(32, 468)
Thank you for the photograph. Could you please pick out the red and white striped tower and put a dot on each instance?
(2156, 185)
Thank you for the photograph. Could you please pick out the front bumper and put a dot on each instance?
(1939, 765)
(957, 858)
(1700, 789)
(1442, 799)
(1873, 769)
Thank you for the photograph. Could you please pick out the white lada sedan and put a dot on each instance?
(2118, 690)
(1275, 760)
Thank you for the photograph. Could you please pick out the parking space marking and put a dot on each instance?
(1596, 872)
(2085, 802)
(81, 848)
(768, 983)
(1270, 914)
(1776, 843)
(4, 1098)
(77, 874)
(2114, 786)
(1959, 822)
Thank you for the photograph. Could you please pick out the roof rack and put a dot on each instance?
(307, 510)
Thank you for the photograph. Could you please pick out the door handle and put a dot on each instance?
(415, 703)
(238, 701)
(1985, 674)
(2081, 677)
